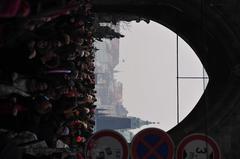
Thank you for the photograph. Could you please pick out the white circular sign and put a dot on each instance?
(107, 144)
(198, 146)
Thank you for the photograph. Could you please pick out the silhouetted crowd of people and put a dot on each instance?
(47, 80)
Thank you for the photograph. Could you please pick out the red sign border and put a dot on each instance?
(113, 134)
(198, 136)
(148, 131)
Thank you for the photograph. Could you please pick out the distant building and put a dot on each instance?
(106, 59)
(109, 90)
(114, 123)
(121, 111)
(117, 110)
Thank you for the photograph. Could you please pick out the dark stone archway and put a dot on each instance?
(212, 30)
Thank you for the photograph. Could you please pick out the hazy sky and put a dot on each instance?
(148, 74)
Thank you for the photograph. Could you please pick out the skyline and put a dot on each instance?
(146, 69)
(155, 56)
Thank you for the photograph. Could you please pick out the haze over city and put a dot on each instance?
(147, 69)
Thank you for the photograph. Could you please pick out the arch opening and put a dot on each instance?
(208, 42)
(145, 79)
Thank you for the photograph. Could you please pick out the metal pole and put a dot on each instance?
(177, 79)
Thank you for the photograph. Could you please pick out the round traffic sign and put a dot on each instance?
(198, 146)
(107, 144)
(152, 143)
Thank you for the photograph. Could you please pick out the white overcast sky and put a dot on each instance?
(148, 74)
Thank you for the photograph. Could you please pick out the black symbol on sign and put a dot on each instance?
(201, 150)
(108, 151)
(101, 155)
(192, 155)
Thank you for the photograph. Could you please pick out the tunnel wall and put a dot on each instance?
(212, 29)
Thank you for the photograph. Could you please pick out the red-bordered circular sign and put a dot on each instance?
(107, 144)
(198, 146)
(152, 143)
